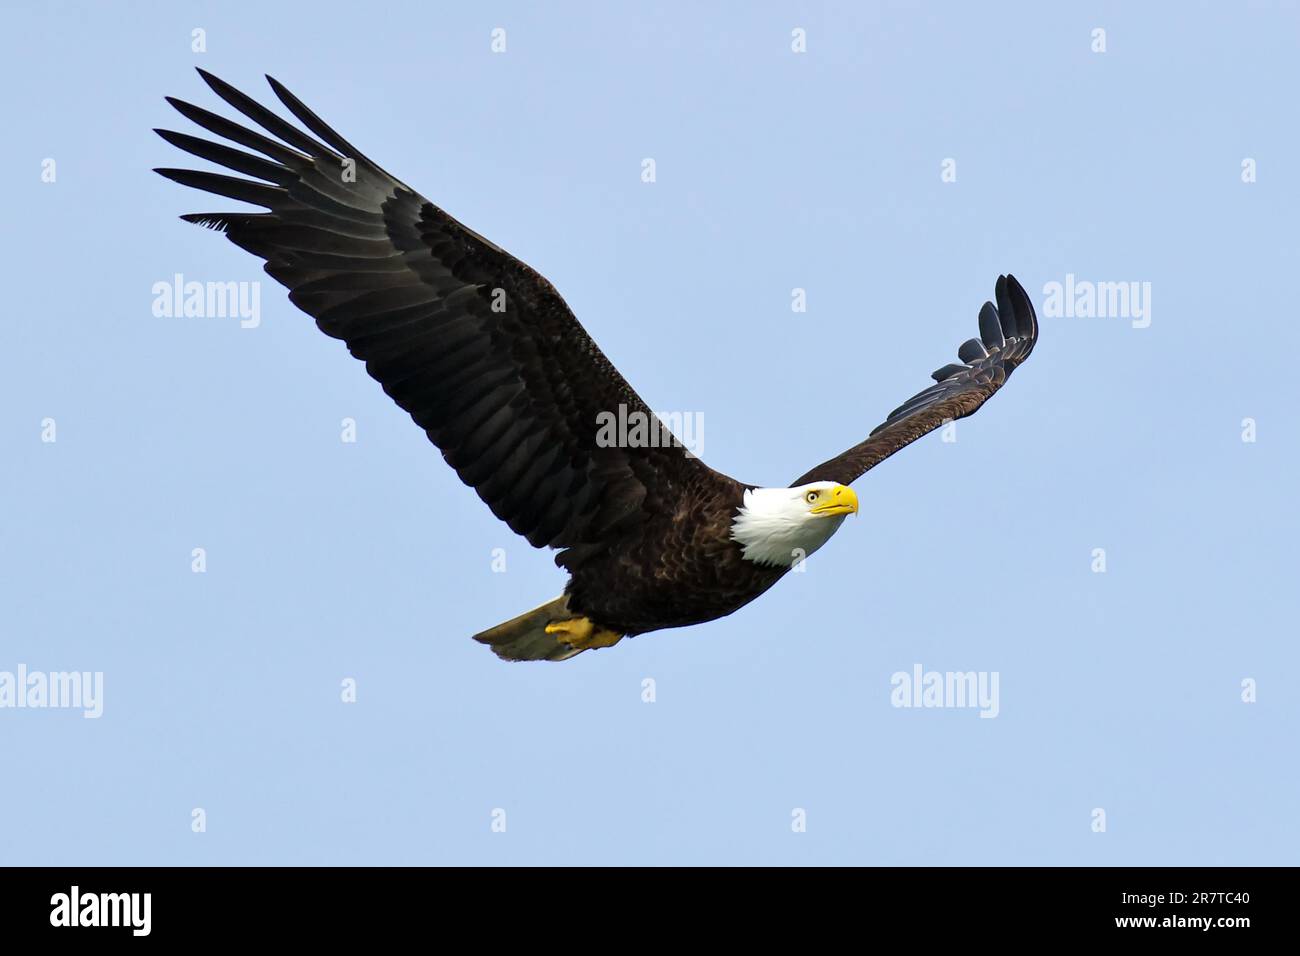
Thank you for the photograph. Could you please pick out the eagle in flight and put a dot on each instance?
(486, 357)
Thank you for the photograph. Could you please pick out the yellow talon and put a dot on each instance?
(581, 634)
(573, 631)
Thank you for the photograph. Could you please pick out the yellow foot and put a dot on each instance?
(582, 635)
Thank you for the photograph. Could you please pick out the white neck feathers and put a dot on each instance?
(774, 527)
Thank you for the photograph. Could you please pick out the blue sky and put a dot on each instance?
(328, 561)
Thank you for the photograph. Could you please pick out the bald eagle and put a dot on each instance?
(486, 357)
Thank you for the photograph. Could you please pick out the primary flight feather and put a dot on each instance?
(487, 359)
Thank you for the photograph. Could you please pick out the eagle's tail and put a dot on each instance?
(524, 638)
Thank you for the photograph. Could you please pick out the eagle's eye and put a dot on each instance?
(811, 497)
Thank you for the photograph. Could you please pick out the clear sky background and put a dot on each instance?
(327, 561)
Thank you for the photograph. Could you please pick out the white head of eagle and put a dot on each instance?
(779, 526)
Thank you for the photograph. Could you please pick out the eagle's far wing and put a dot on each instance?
(1007, 336)
(478, 347)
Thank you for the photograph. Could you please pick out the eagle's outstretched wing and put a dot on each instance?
(478, 347)
(1007, 336)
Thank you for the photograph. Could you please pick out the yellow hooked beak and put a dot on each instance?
(840, 500)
